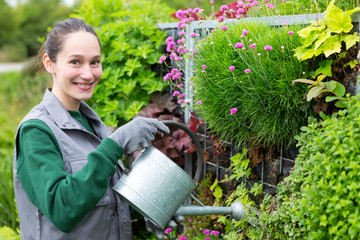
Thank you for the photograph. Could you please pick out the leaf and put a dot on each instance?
(325, 68)
(322, 37)
(351, 40)
(331, 98)
(332, 45)
(315, 91)
(330, 85)
(339, 90)
(131, 65)
(350, 12)
(338, 20)
(305, 81)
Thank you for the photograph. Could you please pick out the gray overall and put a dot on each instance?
(110, 218)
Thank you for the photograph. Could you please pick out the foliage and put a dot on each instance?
(259, 86)
(21, 93)
(327, 44)
(23, 24)
(7, 233)
(131, 45)
(320, 199)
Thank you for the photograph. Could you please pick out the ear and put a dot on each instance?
(48, 64)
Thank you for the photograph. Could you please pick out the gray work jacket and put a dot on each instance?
(110, 218)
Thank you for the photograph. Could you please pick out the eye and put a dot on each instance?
(75, 62)
(95, 62)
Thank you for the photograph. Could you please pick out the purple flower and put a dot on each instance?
(268, 48)
(224, 28)
(182, 33)
(193, 35)
(203, 66)
(206, 232)
(247, 71)
(245, 32)
(253, 45)
(198, 103)
(221, 19)
(162, 58)
(231, 68)
(239, 45)
(290, 32)
(233, 111)
(175, 93)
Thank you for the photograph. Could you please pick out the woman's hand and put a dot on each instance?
(138, 134)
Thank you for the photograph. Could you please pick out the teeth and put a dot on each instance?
(83, 85)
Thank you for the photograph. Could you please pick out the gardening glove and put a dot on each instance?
(138, 134)
(173, 223)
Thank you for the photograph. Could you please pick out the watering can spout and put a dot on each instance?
(236, 210)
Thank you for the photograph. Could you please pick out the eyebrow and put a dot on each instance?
(80, 56)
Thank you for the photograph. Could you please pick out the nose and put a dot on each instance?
(86, 72)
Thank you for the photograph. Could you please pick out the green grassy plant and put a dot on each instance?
(131, 45)
(270, 110)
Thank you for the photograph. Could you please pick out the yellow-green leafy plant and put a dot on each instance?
(330, 44)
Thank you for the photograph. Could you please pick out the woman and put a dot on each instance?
(65, 159)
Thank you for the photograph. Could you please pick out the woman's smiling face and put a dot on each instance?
(77, 69)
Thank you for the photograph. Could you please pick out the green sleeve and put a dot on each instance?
(63, 198)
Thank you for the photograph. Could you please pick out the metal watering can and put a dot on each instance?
(157, 187)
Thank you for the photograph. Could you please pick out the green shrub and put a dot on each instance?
(320, 199)
(131, 45)
(270, 110)
(20, 93)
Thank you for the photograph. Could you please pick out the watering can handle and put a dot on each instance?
(194, 139)
(196, 142)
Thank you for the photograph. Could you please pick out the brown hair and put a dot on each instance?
(54, 40)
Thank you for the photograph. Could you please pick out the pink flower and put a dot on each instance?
(174, 70)
(215, 233)
(169, 39)
(206, 232)
(168, 230)
(182, 33)
(268, 48)
(221, 19)
(196, 10)
(240, 5)
(212, 1)
(167, 77)
(239, 45)
(233, 111)
(171, 46)
(285, 23)
(255, 3)
(182, 95)
(175, 93)
(190, 220)
(241, 11)
(207, 238)
(180, 101)
(180, 85)
(247, 71)
(177, 58)
(231, 68)
(193, 35)
(180, 41)
(162, 58)
(198, 103)
(182, 238)
(290, 32)
(253, 45)
(224, 28)
(203, 66)
(173, 55)
(224, 7)
(270, 6)
(245, 32)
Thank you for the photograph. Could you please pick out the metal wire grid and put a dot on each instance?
(285, 160)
